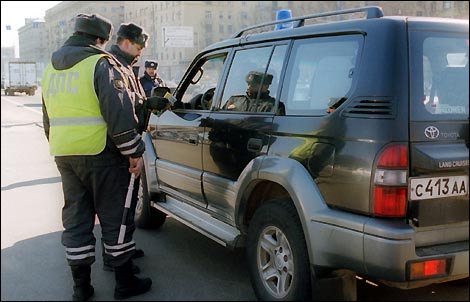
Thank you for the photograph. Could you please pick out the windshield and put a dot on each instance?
(439, 76)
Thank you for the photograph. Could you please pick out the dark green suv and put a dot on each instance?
(323, 147)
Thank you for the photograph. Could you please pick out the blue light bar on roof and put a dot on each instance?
(283, 14)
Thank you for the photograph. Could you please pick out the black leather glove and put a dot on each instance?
(156, 103)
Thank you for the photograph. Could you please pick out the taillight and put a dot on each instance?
(427, 269)
(390, 189)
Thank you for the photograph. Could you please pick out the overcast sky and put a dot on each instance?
(14, 13)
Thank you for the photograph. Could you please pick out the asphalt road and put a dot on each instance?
(183, 264)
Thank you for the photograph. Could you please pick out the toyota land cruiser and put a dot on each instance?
(322, 146)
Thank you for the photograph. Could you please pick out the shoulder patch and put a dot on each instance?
(112, 60)
(119, 84)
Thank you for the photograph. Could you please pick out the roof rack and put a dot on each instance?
(372, 12)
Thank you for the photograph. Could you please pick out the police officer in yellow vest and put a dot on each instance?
(90, 122)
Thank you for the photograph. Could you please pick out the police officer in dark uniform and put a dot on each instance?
(89, 120)
(150, 79)
(257, 98)
(131, 40)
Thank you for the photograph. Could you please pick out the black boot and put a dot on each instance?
(109, 268)
(135, 269)
(128, 285)
(138, 254)
(82, 289)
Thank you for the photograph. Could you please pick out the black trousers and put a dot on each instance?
(95, 185)
(131, 213)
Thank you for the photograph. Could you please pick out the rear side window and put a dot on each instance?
(439, 76)
(320, 74)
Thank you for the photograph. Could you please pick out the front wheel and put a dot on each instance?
(146, 216)
(277, 253)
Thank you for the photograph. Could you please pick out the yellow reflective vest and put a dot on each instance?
(76, 124)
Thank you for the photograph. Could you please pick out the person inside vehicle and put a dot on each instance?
(257, 98)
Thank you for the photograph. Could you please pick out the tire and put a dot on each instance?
(275, 230)
(147, 217)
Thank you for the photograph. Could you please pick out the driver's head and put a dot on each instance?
(254, 79)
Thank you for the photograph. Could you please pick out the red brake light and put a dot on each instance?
(394, 156)
(389, 201)
(390, 182)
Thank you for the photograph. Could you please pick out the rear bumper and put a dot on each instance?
(387, 260)
(379, 248)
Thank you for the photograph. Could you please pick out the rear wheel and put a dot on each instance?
(146, 216)
(277, 253)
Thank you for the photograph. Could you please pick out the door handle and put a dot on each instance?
(254, 145)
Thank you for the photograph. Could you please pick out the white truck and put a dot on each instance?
(22, 77)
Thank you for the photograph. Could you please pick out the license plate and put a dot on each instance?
(438, 187)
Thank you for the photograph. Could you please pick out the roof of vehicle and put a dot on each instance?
(373, 17)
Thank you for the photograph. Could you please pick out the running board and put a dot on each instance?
(200, 221)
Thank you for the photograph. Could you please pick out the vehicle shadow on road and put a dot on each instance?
(436, 292)
(184, 266)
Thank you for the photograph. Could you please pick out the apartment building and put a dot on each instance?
(60, 19)
(180, 29)
(32, 43)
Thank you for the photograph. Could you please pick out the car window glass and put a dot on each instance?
(203, 85)
(275, 68)
(440, 75)
(319, 74)
(248, 65)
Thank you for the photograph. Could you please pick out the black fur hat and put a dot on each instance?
(94, 25)
(133, 33)
(256, 76)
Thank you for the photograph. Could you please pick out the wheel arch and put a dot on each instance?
(279, 178)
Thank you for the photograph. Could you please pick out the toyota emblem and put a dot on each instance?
(431, 132)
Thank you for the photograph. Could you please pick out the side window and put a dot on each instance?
(201, 89)
(320, 74)
(253, 80)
